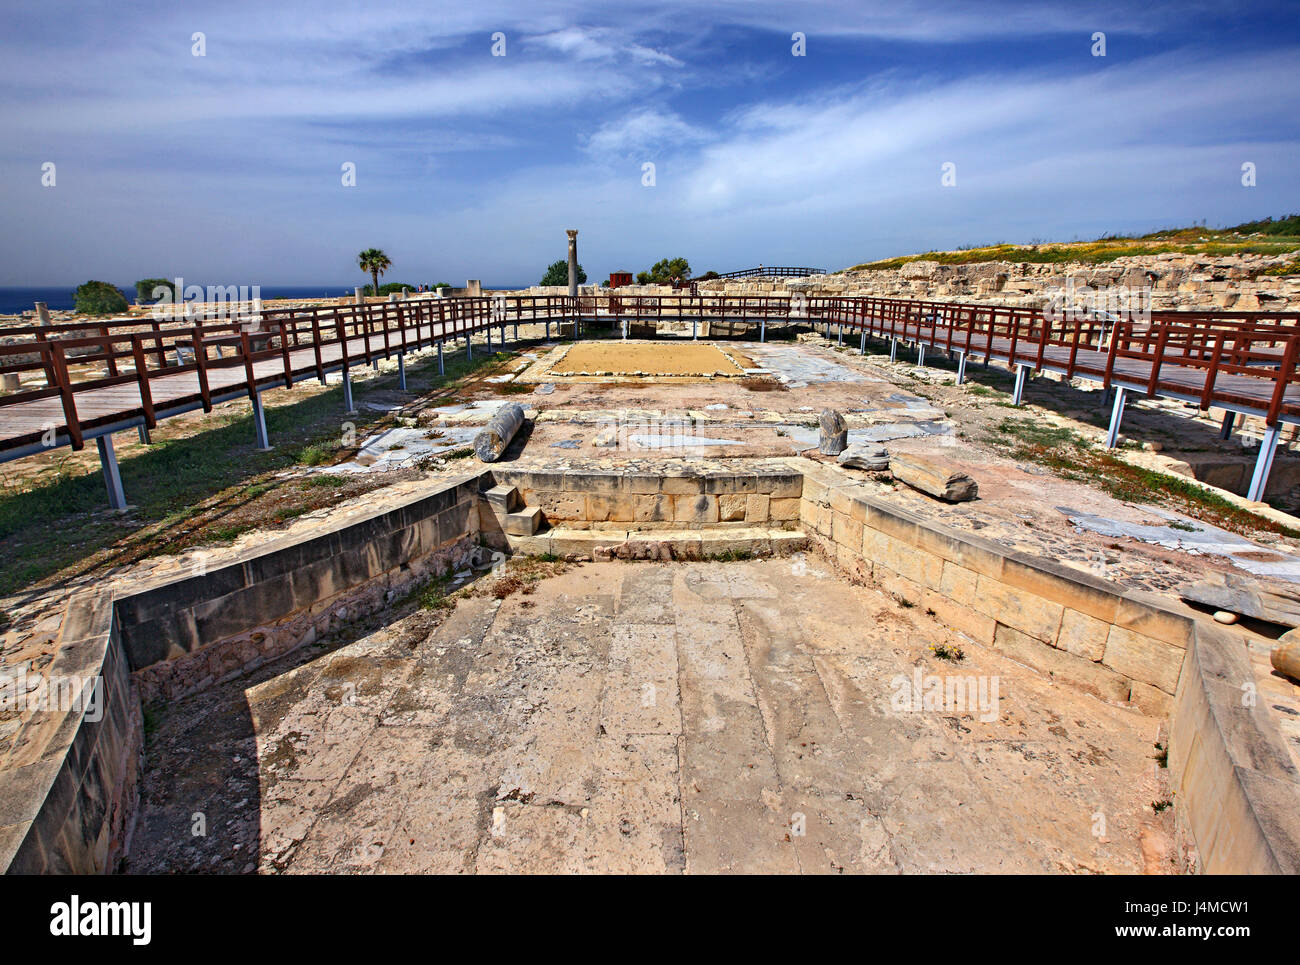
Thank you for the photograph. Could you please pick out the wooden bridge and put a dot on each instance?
(100, 378)
(773, 271)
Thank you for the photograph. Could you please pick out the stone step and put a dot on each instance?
(503, 500)
(659, 543)
(525, 522)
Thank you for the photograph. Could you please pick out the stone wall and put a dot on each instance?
(1177, 282)
(68, 786)
(184, 635)
(765, 495)
(1118, 644)
(1235, 786)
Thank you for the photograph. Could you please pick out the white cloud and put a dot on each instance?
(644, 134)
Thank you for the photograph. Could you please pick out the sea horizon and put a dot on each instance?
(15, 299)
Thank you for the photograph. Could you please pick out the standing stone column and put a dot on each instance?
(573, 261)
(44, 313)
(834, 436)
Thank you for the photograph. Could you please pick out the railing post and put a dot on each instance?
(59, 369)
(142, 377)
(201, 367)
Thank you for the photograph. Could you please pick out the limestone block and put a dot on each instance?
(655, 508)
(1082, 635)
(1061, 666)
(1019, 609)
(872, 458)
(1143, 658)
(933, 478)
(731, 507)
(786, 507)
(695, 509)
(834, 436)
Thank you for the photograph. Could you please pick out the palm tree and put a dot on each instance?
(376, 262)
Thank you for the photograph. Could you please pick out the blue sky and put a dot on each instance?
(226, 168)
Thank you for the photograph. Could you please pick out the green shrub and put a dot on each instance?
(558, 274)
(144, 290)
(388, 288)
(99, 298)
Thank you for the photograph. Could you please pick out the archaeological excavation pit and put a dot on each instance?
(747, 716)
(619, 655)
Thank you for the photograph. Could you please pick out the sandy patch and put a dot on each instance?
(649, 359)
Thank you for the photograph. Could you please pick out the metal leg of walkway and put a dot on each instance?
(961, 367)
(441, 369)
(1229, 423)
(1116, 417)
(348, 407)
(1264, 464)
(259, 421)
(401, 370)
(1018, 396)
(112, 477)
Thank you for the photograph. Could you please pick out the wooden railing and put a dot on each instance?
(774, 271)
(1244, 359)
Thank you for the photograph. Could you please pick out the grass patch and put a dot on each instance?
(511, 388)
(1268, 237)
(185, 488)
(732, 556)
(946, 652)
(1070, 456)
(521, 574)
(433, 594)
(313, 455)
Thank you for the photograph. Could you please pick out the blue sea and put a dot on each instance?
(15, 300)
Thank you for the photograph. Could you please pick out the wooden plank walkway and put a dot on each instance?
(1240, 362)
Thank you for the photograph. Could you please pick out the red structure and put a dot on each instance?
(618, 279)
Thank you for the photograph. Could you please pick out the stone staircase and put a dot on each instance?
(527, 532)
(662, 544)
(515, 518)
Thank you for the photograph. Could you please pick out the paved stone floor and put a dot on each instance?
(702, 717)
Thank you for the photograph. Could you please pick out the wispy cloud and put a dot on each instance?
(471, 165)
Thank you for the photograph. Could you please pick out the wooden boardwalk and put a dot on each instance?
(1243, 363)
